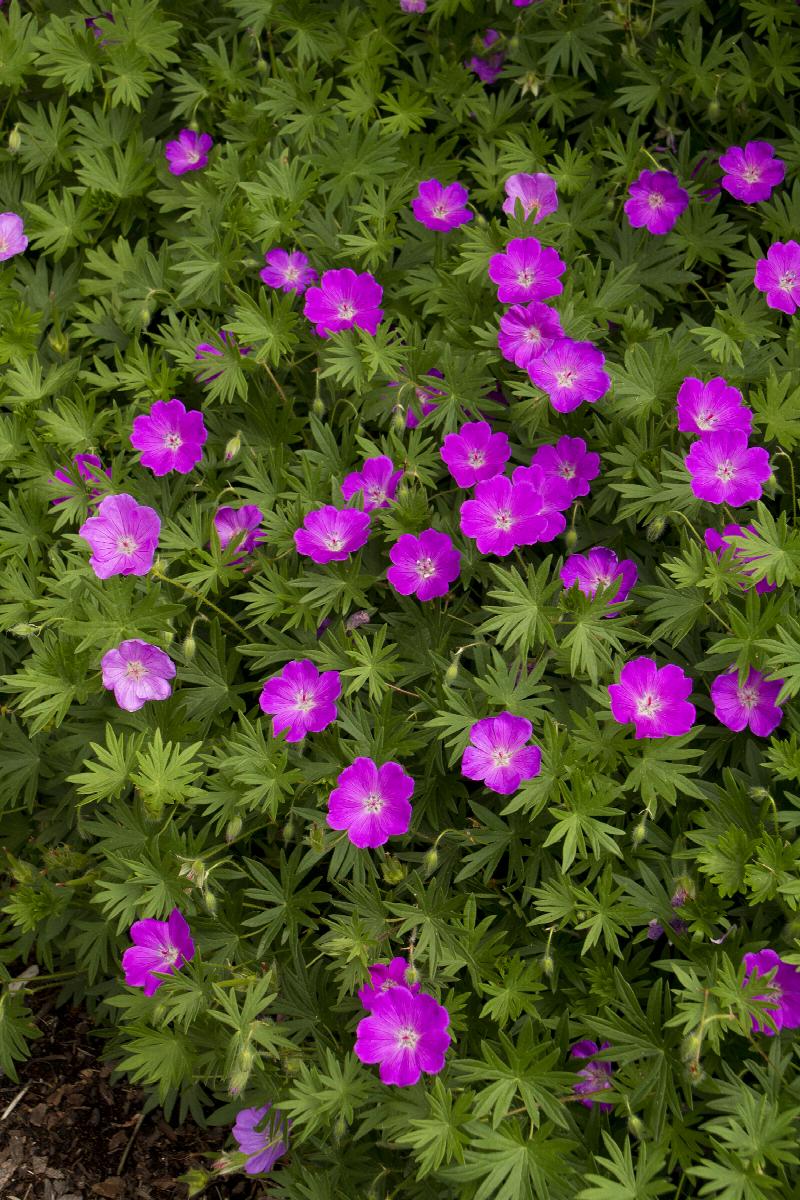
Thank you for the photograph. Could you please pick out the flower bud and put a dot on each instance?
(316, 838)
(451, 674)
(318, 407)
(233, 828)
(393, 870)
(210, 901)
(196, 1180)
(261, 65)
(233, 446)
(714, 110)
(339, 1128)
(656, 528)
(636, 1126)
(169, 636)
(692, 1046)
(158, 1015)
(571, 539)
(189, 647)
(14, 140)
(398, 419)
(59, 342)
(145, 317)
(548, 965)
(25, 629)
(639, 832)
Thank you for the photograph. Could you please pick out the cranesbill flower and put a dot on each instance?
(571, 373)
(526, 331)
(301, 700)
(12, 236)
(287, 270)
(498, 754)
(475, 453)
(204, 350)
(488, 69)
(536, 193)
(372, 803)
(751, 172)
(656, 201)
(262, 1136)
(778, 276)
(376, 481)
(424, 566)
(414, 6)
(595, 1076)
(655, 699)
(783, 991)
(123, 536)
(89, 467)
(526, 270)
(344, 299)
(725, 470)
(382, 977)
(599, 568)
(424, 396)
(718, 543)
(569, 462)
(170, 437)
(406, 1033)
(554, 498)
(712, 407)
(231, 523)
(752, 703)
(162, 946)
(441, 206)
(332, 534)
(502, 515)
(189, 152)
(137, 672)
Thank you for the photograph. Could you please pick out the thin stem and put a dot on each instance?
(783, 454)
(275, 383)
(158, 574)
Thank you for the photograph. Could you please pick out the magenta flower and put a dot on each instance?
(344, 299)
(783, 990)
(301, 700)
(261, 1135)
(425, 398)
(718, 543)
(137, 672)
(376, 481)
(599, 568)
(232, 523)
(751, 173)
(596, 1076)
(502, 515)
(413, 6)
(189, 152)
(162, 946)
(89, 467)
(382, 978)
(424, 566)
(441, 206)
(713, 407)
(526, 270)
(287, 270)
(526, 331)
(725, 470)
(488, 69)
(569, 462)
(571, 373)
(12, 235)
(371, 802)
(475, 453)
(498, 754)
(656, 201)
(655, 698)
(753, 703)
(554, 498)
(332, 534)
(536, 193)
(170, 438)
(204, 350)
(123, 536)
(406, 1032)
(778, 276)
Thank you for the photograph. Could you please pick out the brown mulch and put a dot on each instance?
(72, 1135)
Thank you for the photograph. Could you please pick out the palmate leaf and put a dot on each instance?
(522, 1070)
(17, 1031)
(440, 1137)
(625, 1180)
(510, 1164)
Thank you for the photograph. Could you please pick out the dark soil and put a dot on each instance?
(67, 1134)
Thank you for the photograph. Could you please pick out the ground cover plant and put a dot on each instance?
(399, 730)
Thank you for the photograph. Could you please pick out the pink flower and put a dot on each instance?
(382, 978)
(170, 438)
(89, 467)
(712, 407)
(751, 173)
(488, 69)
(262, 1135)
(301, 700)
(123, 536)
(725, 470)
(656, 201)
(406, 1033)
(204, 350)
(499, 755)
(536, 193)
(655, 699)
(475, 453)
(332, 534)
(526, 331)
(12, 235)
(413, 6)
(752, 703)
(571, 373)
(376, 481)
(526, 270)
(425, 400)
(372, 803)
(424, 566)
(159, 946)
(137, 672)
(502, 515)
(595, 1076)
(343, 300)
(441, 206)
(288, 271)
(189, 152)
(778, 276)
(719, 543)
(554, 498)
(600, 568)
(783, 990)
(569, 462)
(232, 523)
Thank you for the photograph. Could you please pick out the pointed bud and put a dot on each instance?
(714, 110)
(189, 647)
(318, 407)
(145, 317)
(571, 539)
(639, 832)
(412, 975)
(431, 861)
(548, 965)
(451, 674)
(210, 901)
(636, 1126)
(233, 446)
(398, 420)
(24, 630)
(656, 528)
(233, 829)
(339, 1128)
(14, 140)
(289, 831)
(261, 65)
(59, 342)
(169, 636)
(196, 1180)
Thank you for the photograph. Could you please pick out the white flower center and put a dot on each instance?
(476, 458)
(135, 670)
(407, 1038)
(373, 803)
(376, 494)
(525, 278)
(440, 210)
(748, 696)
(333, 542)
(706, 420)
(292, 274)
(127, 545)
(655, 200)
(503, 519)
(5, 245)
(725, 471)
(751, 174)
(346, 312)
(602, 579)
(648, 705)
(533, 335)
(567, 471)
(172, 441)
(502, 758)
(304, 702)
(426, 568)
(566, 379)
(787, 281)
(171, 955)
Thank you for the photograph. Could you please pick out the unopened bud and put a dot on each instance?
(25, 629)
(59, 342)
(571, 539)
(656, 528)
(261, 65)
(289, 831)
(399, 418)
(233, 446)
(159, 1012)
(145, 317)
(393, 870)
(316, 838)
(210, 901)
(692, 1046)
(196, 1180)
(451, 674)
(636, 1126)
(339, 1128)
(318, 407)
(233, 829)
(412, 975)
(189, 647)
(639, 832)
(548, 965)
(14, 140)
(714, 110)
(431, 861)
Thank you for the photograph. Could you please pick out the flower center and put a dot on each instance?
(334, 542)
(426, 568)
(173, 441)
(748, 697)
(566, 379)
(346, 312)
(127, 545)
(706, 420)
(136, 670)
(292, 274)
(440, 210)
(171, 954)
(373, 803)
(525, 278)
(787, 281)
(725, 471)
(567, 471)
(648, 705)
(304, 702)
(533, 335)
(407, 1038)
(5, 245)
(602, 579)
(376, 494)
(502, 758)
(476, 458)
(751, 174)
(503, 519)
(655, 200)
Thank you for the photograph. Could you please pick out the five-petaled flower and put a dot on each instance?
(499, 755)
(537, 195)
(169, 437)
(423, 566)
(332, 534)
(382, 977)
(158, 946)
(475, 453)
(88, 467)
(287, 270)
(406, 1033)
(725, 470)
(570, 463)
(261, 1134)
(300, 699)
(782, 990)
(778, 276)
(595, 1076)
(655, 699)
(751, 172)
(600, 568)
(242, 523)
(441, 206)
(571, 373)
(527, 331)
(12, 235)
(503, 514)
(123, 536)
(344, 299)
(371, 803)
(526, 270)
(189, 152)
(137, 672)
(376, 483)
(751, 703)
(713, 407)
(656, 201)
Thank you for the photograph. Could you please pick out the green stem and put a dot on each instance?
(157, 574)
(783, 454)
